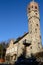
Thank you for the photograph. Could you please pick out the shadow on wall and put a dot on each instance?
(27, 61)
(36, 59)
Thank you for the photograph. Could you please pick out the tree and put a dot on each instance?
(2, 50)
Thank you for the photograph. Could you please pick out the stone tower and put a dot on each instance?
(34, 26)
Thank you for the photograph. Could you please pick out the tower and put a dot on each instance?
(34, 26)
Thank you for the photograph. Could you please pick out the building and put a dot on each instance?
(11, 51)
(34, 26)
(30, 41)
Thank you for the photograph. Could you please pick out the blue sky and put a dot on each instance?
(13, 18)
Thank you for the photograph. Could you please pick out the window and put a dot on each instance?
(31, 47)
(8, 57)
(32, 6)
(36, 13)
(37, 24)
(35, 7)
(38, 43)
(35, 29)
(15, 56)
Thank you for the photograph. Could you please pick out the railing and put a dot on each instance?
(27, 42)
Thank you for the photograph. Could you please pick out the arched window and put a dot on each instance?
(37, 24)
(35, 7)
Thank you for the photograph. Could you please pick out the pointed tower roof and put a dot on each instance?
(33, 3)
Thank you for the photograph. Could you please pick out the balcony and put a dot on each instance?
(26, 42)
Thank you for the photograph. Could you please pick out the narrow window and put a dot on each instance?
(36, 13)
(32, 6)
(31, 47)
(35, 7)
(37, 24)
(15, 56)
